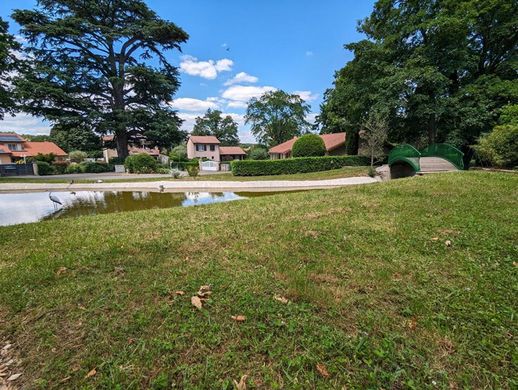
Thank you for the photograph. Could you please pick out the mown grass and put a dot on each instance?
(332, 174)
(376, 296)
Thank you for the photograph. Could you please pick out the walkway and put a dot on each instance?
(191, 186)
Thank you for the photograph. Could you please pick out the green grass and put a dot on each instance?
(375, 294)
(332, 174)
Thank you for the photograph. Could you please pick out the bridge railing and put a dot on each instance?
(406, 153)
(448, 152)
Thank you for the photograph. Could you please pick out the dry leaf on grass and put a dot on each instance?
(322, 370)
(179, 292)
(435, 238)
(14, 377)
(196, 302)
(204, 292)
(242, 383)
(239, 318)
(91, 373)
(280, 298)
(61, 270)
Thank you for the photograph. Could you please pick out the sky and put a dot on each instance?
(240, 49)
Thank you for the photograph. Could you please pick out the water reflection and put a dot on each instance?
(33, 207)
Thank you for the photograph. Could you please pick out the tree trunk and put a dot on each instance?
(352, 142)
(432, 130)
(122, 145)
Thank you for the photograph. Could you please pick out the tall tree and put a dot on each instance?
(8, 64)
(100, 63)
(277, 116)
(75, 137)
(213, 123)
(441, 69)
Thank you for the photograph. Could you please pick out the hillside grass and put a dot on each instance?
(376, 296)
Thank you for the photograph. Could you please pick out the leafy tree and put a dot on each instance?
(213, 123)
(91, 65)
(309, 145)
(500, 147)
(258, 153)
(441, 70)
(77, 156)
(8, 64)
(74, 136)
(277, 116)
(36, 138)
(179, 153)
(374, 134)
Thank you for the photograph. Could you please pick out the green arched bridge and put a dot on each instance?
(405, 160)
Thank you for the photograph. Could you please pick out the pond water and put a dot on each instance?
(37, 206)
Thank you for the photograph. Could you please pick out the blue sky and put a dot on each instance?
(240, 49)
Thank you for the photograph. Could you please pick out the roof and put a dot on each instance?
(137, 150)
(10, 137)
(231, 150)
(35, 148)
(204, 139)
(331, 141)
(4, 150)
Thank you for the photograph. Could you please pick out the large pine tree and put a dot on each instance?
(8, 65)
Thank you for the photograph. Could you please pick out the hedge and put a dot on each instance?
(309, 145)
(295, 165)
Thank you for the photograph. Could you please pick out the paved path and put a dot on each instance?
(194, 186)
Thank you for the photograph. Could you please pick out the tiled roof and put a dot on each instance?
(137, 150)
(231, 150)
(331, 141)
(204, 139)
(10, 137)
(35, 148)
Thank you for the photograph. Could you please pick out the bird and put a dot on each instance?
(161, 188)
(55, 200)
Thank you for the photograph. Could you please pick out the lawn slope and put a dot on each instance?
(405, 284)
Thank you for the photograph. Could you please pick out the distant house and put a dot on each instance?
(335, 146)
(136, 145)
(207, 147)
(14, 148)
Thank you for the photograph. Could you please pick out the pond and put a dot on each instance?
(37, 206)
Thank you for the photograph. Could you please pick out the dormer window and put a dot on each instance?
(14, 147)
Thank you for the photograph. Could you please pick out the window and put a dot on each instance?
(14, 146)
(201, 148)
(212, 148)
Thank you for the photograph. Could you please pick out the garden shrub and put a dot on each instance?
(95, 167)
(141, 163)
(48, 158)
(60, 167)
(74, 168)
(163, 170)
(309, 145)
(77, 156)
(44, 168)
(295, 165)
(500, 147)
(178, 153)
(193, 169)
(258, 153)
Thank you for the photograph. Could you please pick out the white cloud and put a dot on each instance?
(236, 104)
(24, 124)
(312, 117)
(242, 77)
(243, 93)
(190, 104)
(306, 95)
(309, 53)
(206, 69)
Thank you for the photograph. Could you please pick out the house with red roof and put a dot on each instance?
(335, 146)
(14, 148)
(209, 147)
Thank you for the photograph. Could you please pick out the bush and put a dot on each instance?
(309, 145)
(193, 169)
(60, 167)
(74, 168)
(141, 163)
(116, 161)
(258, 153)
(179, 153)
(77, 156)
(500, 147)
(44, 168)
(163, 170)
(175, 173)
(48, 158)
(295, 165)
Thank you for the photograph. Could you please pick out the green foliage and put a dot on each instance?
(258, 153)
(295, 165)
(45, 168)
(77, 156)
(277, 116)
(74, 136)
(8, 64)
(309, 145)
(74, 168)
(48, 158)
(213, 123)
(500, 147)
(116, 54)
(163, 170)
(95, 167)
(193, 169)
(179, 153)
(509, 115)
(140, 163)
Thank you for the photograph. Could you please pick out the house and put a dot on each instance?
(207, 147)
(335, 146)
(136, 145)
(14, 148)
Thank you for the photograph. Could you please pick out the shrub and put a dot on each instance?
(163, 170)
(179, 153)
(44, 168)
(193, 169)
(140, 163)
(500, 147)
(309, 145)
(372, 171)
(77, 156)
(95, 167)
(295, 165)
(116, 161)
(175, 173)
(60, 167)
(48, 158)
(74, 168)
(258, 153)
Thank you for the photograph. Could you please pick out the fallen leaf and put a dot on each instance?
(196, 301)
(61, 270)
(280, 298)
(322, 370)
(179, 292)
(242, 383)
(239, 318)
(119, 270)
(412, 323)
(14, 377)
(91, 373)
(447, 243)
(435, 238)
(65, 379)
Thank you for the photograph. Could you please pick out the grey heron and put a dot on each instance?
(55, 200)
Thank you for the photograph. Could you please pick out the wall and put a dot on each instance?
(211, 155)
(5, 159)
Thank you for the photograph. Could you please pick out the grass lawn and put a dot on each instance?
(332, 174)
(376, 297)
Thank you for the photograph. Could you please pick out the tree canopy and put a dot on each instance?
(277, 116)
(101, 63)
(8, 65)
(74, 136)
(213, 123)
(441, 69)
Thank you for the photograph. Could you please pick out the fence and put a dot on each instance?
(16, 169)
